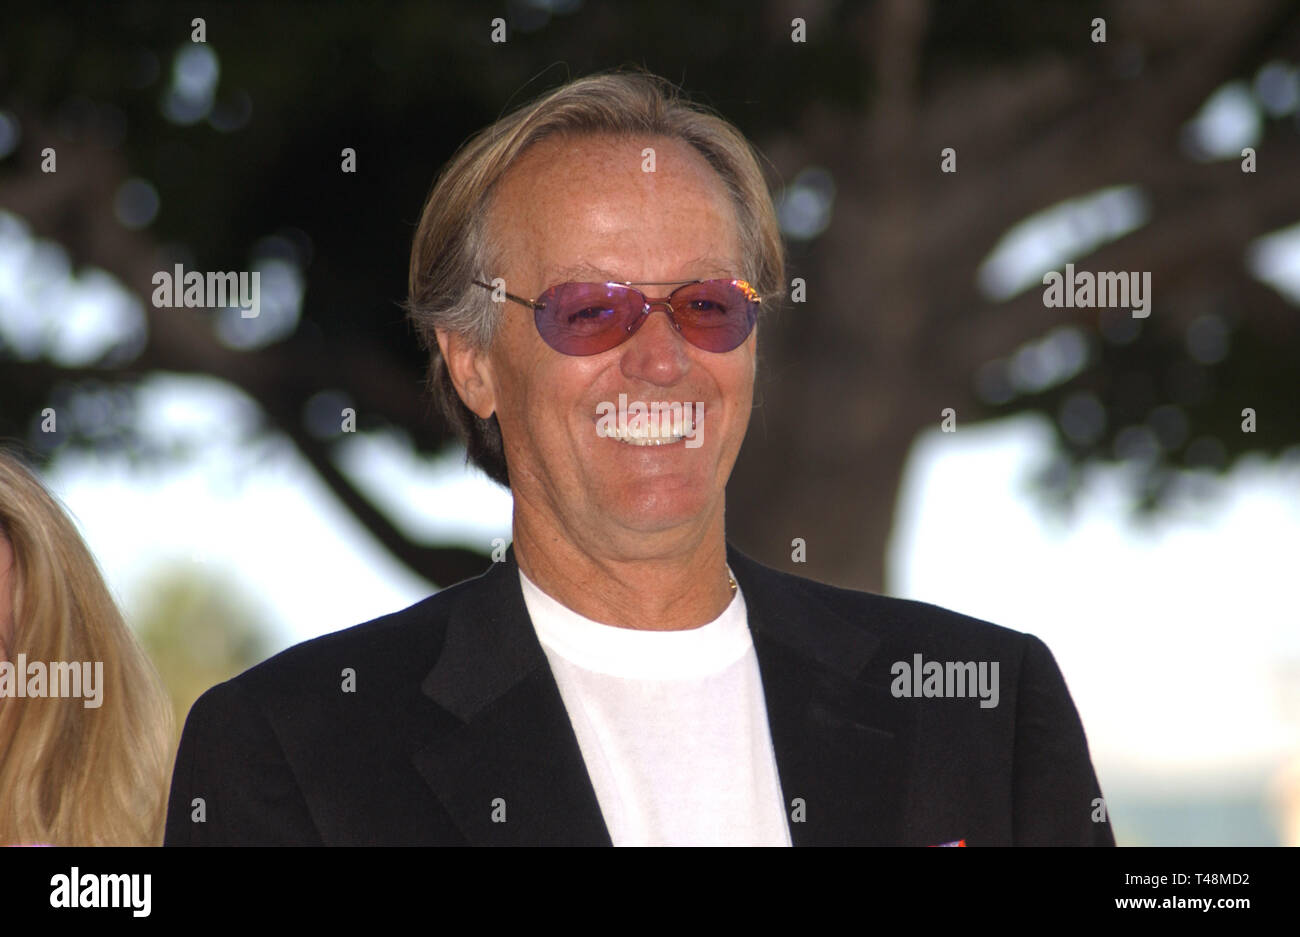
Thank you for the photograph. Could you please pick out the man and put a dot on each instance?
(587, 274)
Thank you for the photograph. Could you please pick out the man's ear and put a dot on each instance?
(470, 372)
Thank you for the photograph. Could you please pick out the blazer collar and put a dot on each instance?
(512, 772)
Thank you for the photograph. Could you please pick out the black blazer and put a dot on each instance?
(454, 706)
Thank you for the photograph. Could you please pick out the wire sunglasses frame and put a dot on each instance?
(626, 317)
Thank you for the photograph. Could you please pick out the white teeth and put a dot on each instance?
(645, 440)
(645, 436)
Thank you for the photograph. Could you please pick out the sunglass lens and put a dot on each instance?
(716, 315)
(585, 318)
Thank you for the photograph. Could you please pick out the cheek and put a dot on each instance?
(540, 389)
(737, 382)
(516, 370)
(740, 399)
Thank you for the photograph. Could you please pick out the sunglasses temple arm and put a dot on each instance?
(531, 304)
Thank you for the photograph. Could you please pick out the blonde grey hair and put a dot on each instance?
(74, 776)
(453, 246)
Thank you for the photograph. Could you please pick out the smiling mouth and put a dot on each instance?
(652, 433)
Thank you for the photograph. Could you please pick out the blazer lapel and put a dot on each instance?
(511, 771)
(836, 740)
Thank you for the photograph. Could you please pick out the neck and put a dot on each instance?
(675, 590)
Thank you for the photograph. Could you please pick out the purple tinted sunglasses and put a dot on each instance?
(588, 318)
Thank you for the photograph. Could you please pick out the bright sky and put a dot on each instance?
(1179, 639)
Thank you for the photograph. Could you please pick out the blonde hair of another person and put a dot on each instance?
(72, 774)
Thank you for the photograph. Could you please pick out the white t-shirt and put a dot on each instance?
(672, 726)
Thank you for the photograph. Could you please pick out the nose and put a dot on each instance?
(657, 352)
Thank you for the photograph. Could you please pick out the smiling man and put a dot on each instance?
(624, 676)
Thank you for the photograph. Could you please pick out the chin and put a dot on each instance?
(653, 512)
